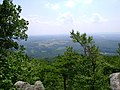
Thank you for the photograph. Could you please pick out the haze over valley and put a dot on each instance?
(49, 46)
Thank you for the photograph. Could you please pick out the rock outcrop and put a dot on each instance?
(20, 85)
(115, 81)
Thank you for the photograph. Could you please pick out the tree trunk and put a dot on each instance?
(69, 84)
(64, 82)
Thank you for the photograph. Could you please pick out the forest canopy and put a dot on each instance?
(71, 71)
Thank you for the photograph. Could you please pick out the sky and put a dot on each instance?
(53, 17)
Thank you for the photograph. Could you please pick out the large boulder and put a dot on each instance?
(20, 85)
(115, 81)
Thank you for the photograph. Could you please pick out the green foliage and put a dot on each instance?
(12, 26)
(118, 51)
(70, 71)
(90, 70)
(10, 69)
(85, 41)
(20, 67)
(66, 67)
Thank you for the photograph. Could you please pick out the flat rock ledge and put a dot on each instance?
(21, 85)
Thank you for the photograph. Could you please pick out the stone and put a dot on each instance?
(21, 85)
(115, 81)
(39, 86)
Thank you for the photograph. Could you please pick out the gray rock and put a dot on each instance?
(115, 81)
(39, 86)
(20, 85)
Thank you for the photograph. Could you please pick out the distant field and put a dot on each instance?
(51, 46)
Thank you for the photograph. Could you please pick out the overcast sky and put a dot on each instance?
(61, 16)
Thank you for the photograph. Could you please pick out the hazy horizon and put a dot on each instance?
(68, 34)
(54, 17)
(50, 46)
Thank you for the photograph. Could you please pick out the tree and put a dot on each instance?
(12, 26)
(85, 41)
(66, 67)
(13, 70)
(12, 29)
(92, 61)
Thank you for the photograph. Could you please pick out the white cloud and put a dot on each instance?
(97, 18)
(36, 19)
(47, 5)
(33, 19)
(54, 6)
(93, 18)
(71, 3)
(66, 18)
(88, 1)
